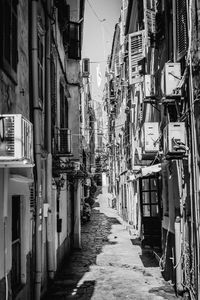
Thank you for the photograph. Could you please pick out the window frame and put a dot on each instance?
(74, 47)
(149, 192)
(64, 108)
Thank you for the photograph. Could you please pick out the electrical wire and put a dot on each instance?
(94, 12)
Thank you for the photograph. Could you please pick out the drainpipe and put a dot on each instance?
(179, 287)
(5, 215)
(50, 264)
(37, 149)
(77, 217)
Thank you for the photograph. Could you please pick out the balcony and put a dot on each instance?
(62, 142)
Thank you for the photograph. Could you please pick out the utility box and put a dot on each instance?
(172, 77)
(86, 67)
(151, 136)
(149, 86)
(174, 139)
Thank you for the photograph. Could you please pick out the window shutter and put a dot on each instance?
(136, 54)
(149, 18)
(32, 198)
(181, 28)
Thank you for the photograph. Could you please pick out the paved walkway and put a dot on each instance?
(110, 264)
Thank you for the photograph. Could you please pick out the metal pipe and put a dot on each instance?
(37, 150)
(5, 215)
(179, 287)
(77, 217)
(194, 155)
(50, 264)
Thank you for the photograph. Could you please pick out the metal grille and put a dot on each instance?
(62, 141)
(8, 140)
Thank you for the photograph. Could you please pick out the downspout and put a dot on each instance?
(37, 149)
(50, 264)
(193, 159)
(178, 267)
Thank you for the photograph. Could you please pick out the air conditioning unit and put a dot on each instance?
(149, 86)
(151, 137)
(174, 139)
(16, 138)
(172, 77)
(86, 67)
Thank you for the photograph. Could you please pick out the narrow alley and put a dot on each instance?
(110, 264)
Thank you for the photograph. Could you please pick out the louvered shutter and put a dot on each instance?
(136, 54)
(32, 197)
(181, 28)
(149, 18)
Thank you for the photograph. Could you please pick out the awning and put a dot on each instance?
(150, 170)
(21, 179)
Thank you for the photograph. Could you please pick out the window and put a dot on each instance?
(63, 108)
(74, 50)
(53, 95)
(64, 132)
(8, 35)
(16, 244)
(149, 197)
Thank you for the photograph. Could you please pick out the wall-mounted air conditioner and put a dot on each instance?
(174, 139)
(16, 138)
(149, 86)
(151, 137)
(172, 77)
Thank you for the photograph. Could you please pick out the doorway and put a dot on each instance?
(150, 211)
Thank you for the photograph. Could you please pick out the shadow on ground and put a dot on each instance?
(148, 260)
(69, 281)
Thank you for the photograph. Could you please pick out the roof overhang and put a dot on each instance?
(149, 170)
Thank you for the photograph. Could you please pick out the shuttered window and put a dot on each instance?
(136, 54)
(181, 28)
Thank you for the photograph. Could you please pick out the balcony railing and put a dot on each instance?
(62, 142)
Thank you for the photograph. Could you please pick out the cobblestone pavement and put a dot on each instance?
(110, 264)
